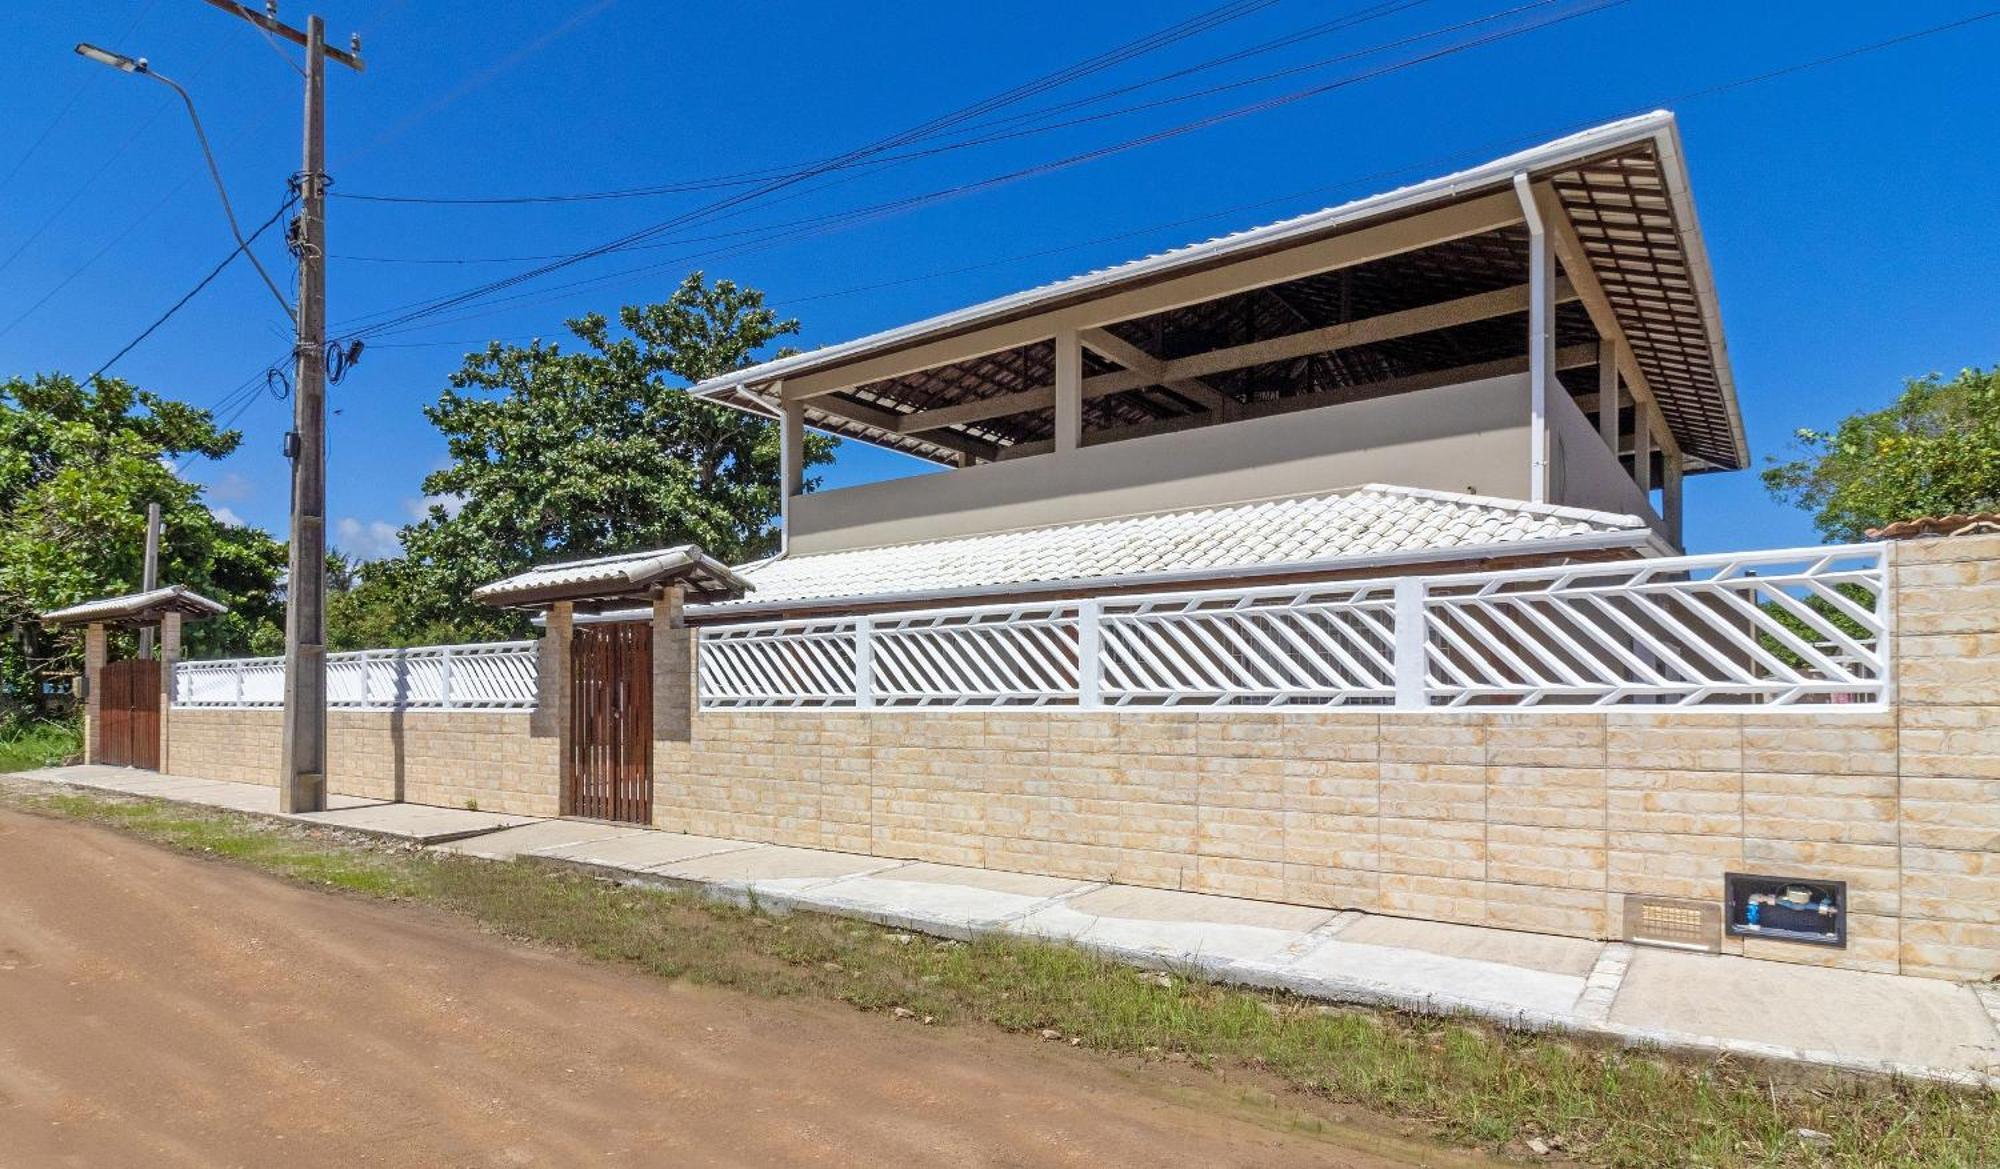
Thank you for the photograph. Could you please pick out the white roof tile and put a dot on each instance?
(1353, 526)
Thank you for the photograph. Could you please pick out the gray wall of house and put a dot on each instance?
(1587, 473)
(1471, 437)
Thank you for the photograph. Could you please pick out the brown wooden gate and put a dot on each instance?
(611, 723)
(128, 713)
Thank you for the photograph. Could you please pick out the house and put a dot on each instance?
(1335, 562)
(1514, 364)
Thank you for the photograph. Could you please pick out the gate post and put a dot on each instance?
(96, 649)
(673, 668)
(170, 658)
(551, 716)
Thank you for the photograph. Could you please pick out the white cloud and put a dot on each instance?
(419, 506)
(372, 540)
(231, 488)
(225, 515)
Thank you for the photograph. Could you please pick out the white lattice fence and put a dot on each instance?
(1327, 645)
(490, 676)
(1768, 628)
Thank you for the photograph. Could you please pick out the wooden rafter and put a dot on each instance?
(1366, 331)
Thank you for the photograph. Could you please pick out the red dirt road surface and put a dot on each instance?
(159, 1010)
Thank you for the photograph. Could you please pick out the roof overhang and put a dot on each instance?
(1657, 281)
(137, 609)
(614, 580)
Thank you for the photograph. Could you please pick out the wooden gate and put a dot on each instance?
(610, 765)
(128, 714)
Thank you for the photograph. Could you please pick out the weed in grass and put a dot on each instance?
(27, 746)
(1469, 1083)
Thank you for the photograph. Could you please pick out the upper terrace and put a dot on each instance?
(1542, 327)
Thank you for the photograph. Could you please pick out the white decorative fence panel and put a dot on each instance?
(1800, 626)
(490, 676)
(1768, 629)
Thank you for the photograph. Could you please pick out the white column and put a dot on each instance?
(1541, 339)
(1608, 400)
(1069, 391)
(1089, 649)
(1412, 660)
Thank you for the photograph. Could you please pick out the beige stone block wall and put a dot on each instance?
(1948, 748)
(1537, 821)
(450, 758)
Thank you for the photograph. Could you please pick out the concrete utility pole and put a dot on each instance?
(149, 577)
(302, 775)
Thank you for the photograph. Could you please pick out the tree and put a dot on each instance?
(78, 465)
(558, 454)
(1934, 451)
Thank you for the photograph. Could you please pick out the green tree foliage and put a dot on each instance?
(559, 453)
(78, 465)
(1934, 451)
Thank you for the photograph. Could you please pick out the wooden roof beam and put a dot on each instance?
(1351, 247)
(1577, 268)
(1139, 361)
(1366, 331)
(1567, 357)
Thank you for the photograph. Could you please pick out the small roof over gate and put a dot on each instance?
(134, 609)
(628, 577)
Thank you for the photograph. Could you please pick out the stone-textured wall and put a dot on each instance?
(1532, 821)
(450, 758)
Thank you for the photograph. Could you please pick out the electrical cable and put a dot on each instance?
(420, 310)
(242, 248)
(932, 127)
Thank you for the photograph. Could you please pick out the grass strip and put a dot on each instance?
(27, 746)
(1470, 1083)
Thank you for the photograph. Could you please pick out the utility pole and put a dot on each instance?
(149, 577)
(302, 775)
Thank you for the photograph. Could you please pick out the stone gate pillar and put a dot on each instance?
(170, 658)
(673, 668)
(96, 651)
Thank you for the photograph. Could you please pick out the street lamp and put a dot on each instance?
(107, 57)
(138, 66)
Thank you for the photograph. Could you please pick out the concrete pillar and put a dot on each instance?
(170, 657)
(1069, 391)
(1607, 394)
(1670, 500)
(673, 669)
(551, 719)
(96, 651)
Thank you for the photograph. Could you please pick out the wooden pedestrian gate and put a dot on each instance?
(610, 765)
(128, 713)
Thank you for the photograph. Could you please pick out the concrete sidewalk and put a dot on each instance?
(1669, 999)
(412, 823)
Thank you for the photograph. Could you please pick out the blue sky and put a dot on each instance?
(1849, 208)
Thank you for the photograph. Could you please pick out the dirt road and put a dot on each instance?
(159, 1010)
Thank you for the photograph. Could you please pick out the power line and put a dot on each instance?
(931, 128)
(421, 310)
(75, 95)
(239, 249)
(751, 177)
(1485, 150)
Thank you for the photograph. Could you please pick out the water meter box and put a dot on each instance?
(1785, 909)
